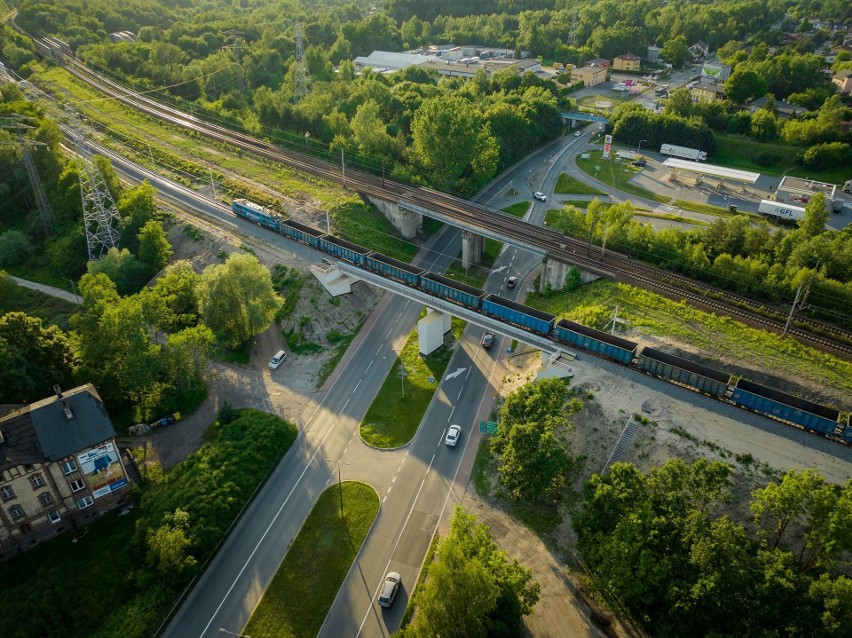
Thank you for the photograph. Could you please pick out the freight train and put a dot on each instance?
(777, 405)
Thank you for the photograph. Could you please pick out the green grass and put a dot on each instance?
(392, 419)
(51, 310)
(707, 209)
(582, 203)
(518, 209)
(365, 225)
(297, 600)
(674, 218)
(617, 175)
(650, 314)
(568, 185)
(481, 467)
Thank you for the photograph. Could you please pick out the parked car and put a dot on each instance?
(511, 282)
(487, 340)
(540, 196)
(638, 162)
(277, 360)
(453, 435)
(389, 589)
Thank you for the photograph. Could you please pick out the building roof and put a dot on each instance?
(628, 56)
(44, 431)
(391, 61)
(712, 88)
(590, 69)
(598, 62)
(799, 185)
(712, 169)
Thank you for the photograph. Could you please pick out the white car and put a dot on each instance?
(578, 133)
(453, 435)
(540, 196)
(389, 589)
(277, 360)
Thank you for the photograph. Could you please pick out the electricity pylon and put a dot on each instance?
(16, 122)
(300, 72)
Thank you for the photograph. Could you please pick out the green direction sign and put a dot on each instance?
(487, 427)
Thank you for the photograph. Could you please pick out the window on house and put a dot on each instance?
(68, 467)
(36, 480)
(54, 517)
(84, 502)
(77, 485)
(45, 498)
(7, 493)
(25, 529)
(16, 511)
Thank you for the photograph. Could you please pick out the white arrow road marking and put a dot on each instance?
(453, 375)
(500, 269)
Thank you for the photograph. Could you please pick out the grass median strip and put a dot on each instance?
(299, 597)
(518, 209)
(393, 418)
(567, 185)
(617, 174)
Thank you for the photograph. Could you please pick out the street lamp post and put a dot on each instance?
(639, 150)
(339, 483)
(222, 630)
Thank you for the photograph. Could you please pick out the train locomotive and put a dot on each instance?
(819, 419)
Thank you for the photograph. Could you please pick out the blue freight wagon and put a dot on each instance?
(452, 290)
(518, 314)
(394, 268)
(301, 232)
(684, 371)
(595, 340)
(342, 249)
(786, 407)
(256, 213)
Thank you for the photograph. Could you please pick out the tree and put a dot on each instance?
(472, 588)
(542, 402)
(450, 140)
(177, 288)
(675, 51)
(15, 248)
(744, 84)
(33, 358)
(128, 273)
(169, 545)
(237, 299)
(816, 216)
(154, 248)
(369, 131)
(533, 463)
(187, 354)
(137, 207)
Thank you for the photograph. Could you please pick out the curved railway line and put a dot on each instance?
(556, 245)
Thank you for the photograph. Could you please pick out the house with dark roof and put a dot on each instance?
(59, 466)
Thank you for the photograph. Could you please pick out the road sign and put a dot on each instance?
(607, 146)
(487, 427)
(431, 379)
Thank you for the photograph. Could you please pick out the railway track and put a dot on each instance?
(555, 244)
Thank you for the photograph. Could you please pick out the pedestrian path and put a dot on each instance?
(47, 290)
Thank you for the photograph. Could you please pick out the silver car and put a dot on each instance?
(389, 589)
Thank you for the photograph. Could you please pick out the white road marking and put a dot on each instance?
(454, 374)
(368, 366)
(393, 480)
(388, 334)
(460, 393)
(345, 404)
(442, 436)
(429, 469)
(500, 269)
(453, 409)
(377, 352)
(357, 384)
(269, 527)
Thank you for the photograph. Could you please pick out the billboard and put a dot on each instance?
(102, 469)
(607, 146)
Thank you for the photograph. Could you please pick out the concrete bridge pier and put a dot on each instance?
(431, 330)
(556, 272)
(473, 247)
(407, 222)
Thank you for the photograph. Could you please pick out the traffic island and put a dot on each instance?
(304, 588)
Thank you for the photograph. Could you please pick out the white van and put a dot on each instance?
(277, 360)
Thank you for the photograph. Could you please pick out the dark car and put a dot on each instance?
(487, 340)
(638, 162)
(511, 282)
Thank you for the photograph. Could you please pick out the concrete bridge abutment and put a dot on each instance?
(473, 247)
(407, 222)
(556, 274)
